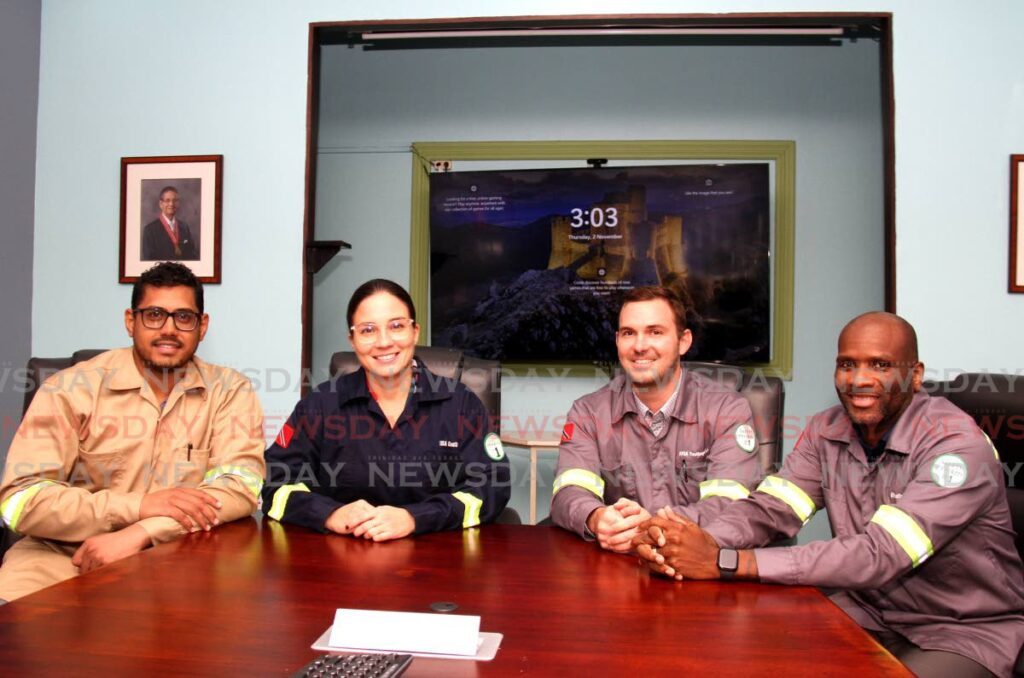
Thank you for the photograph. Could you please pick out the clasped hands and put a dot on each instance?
(666, 543)
(379, 523)
(670, 545)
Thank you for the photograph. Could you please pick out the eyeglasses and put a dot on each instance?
(399, 329)
(154, 318)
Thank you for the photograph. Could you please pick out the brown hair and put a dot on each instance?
(668, 295)
(371, 287)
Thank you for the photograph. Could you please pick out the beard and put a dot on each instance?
(154, 362)
(886, 410)
(166, 366)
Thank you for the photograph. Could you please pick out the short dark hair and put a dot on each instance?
(163, 190)
(167, 274)
(666, 294)
(371, 287)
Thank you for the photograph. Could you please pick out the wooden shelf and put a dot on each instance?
(319, 252)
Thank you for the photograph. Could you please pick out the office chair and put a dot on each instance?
(767, 398)
(482, 377)
(41, 369)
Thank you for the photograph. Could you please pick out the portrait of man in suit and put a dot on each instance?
(168, 237)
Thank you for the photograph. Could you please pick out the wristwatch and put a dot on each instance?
(728, 562)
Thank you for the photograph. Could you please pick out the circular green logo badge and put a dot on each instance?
(949, 470)
(492, 445)
(745, 438)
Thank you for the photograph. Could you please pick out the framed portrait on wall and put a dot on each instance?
(171, 211)
(1016, 214)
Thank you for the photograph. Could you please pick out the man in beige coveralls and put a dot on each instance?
(135, 447)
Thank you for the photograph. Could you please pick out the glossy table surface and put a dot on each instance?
(250, 598)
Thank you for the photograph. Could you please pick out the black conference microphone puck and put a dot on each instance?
(443, 606)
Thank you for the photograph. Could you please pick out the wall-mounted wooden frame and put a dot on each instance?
(1016, 283)
(781, 153)
(190, 187)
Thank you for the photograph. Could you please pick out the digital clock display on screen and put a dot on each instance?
(594, 216)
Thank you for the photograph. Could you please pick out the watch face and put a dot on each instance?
(728, 559)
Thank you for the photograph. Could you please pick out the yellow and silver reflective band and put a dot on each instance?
(471, 512)
(905, 530)
(281, 499)
(992, 445)
(252, 481)
(581, 478)
(790, 494)
(11, 509)
(720, 487)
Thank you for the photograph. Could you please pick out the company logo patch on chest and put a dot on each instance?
(493, 448)
(745, 438)
(949, 470)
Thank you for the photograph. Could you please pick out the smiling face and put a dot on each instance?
(877, 372)
(166, 348)
(650, 345)
(169, 203)
(389, 354)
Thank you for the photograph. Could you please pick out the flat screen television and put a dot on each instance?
(531, 265)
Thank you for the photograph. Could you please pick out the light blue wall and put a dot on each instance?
(231, 79)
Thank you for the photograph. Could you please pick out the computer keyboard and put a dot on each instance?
(356, 665)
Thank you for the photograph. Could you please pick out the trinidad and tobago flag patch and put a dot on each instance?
(567, 432)
(285, 436)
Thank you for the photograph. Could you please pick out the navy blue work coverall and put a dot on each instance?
(442, 461)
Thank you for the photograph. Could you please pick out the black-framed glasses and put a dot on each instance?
(154, 318)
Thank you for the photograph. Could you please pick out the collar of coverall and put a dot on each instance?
(684, 409)
(840, 428)
(123, 374)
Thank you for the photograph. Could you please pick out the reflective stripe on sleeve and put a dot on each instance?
(720, 487)
(281, 499)
(791, 495)
(992, 445)
(471, 512)
(581, 478)
(905, 530)
(11, 509)
(252, 481)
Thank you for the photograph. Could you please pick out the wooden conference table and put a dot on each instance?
(249, 599)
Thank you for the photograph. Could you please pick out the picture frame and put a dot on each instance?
(1016, 277)
(171, 211)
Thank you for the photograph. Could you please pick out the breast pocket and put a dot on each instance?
(619, 478)
(895, 476)
(688, 474)
(99, 470)
(189, 467)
